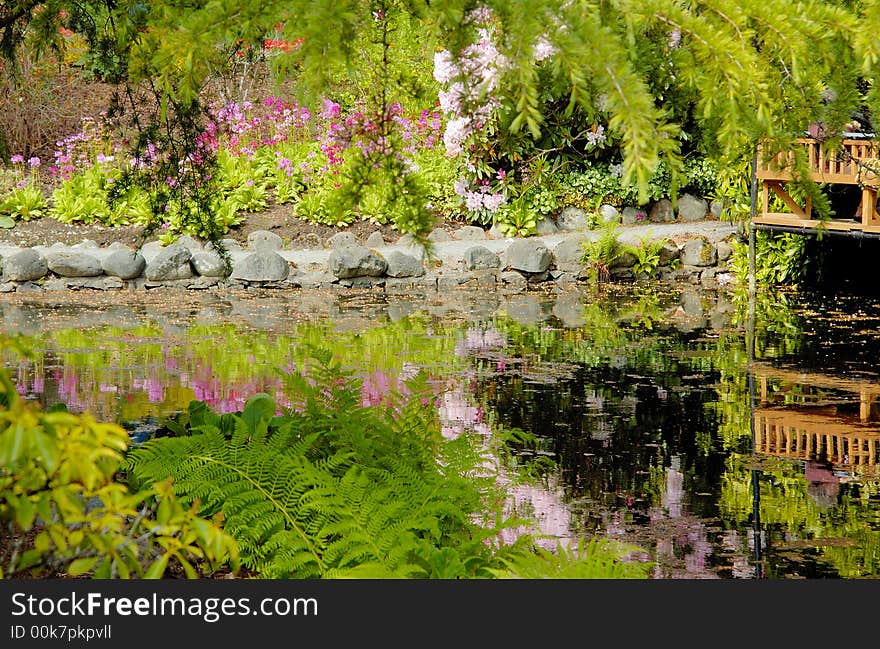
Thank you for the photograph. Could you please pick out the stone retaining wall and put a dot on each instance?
(468, 256)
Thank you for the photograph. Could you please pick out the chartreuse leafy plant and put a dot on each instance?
(64, 512)
(332, 488)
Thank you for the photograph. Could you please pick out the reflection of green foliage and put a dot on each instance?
(785, 503)
(64, 510)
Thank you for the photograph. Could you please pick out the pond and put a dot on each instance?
(725, 446)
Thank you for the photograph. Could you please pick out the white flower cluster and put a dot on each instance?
(469, 99)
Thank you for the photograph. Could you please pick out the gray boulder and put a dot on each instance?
(469, 233)
(356, 261)
(439, 234)
(716, 209)
(546, 226)
(662, 211)
(572, 218)
(480, 258)
(698, 252)
(341, 240)
(125, 264)
(263, 266)
(692, 208)
(167, 264)
(528, 256)
(375, 240)
(668, 253)
(73, 263)
(608, 214)
(725, 251)
(569, 255)
(260, 240)
(403, 265)
(24, 266)
(189, 243)
(208, 264)
(633, 216)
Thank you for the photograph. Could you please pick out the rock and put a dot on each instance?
(150, 249)
(698, 252)
(375, 240)
(117, 245)
(608, 214)
(402, 265)
(546, 226)
(514, 280)
(260, 240)
(480, 258)
(716, 209)
(24, 266)
(7, 287)
(495, 232)
(469, 233)
(125, 264)
(208, 264)
(73, 263)
(228, 244)
(167, 264)
(662, 211)
(85, 244)
(633, 216)
(310, 240)
(262, 266)
(528, 256)
(26, 287)
(569, 254)
(573, 218)
(356, 261)
(692, 208)
(189, 243)
(707, 277)
(668, 253)
(439, 234)
(341, 240)
(725, 250)
(625, 259)
(407, 239)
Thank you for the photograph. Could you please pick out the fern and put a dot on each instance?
(333, 489)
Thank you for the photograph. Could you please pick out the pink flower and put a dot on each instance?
(34, 162)
(17, 159)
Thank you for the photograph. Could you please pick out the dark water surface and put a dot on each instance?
(725, 447)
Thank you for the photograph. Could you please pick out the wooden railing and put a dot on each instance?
(854, 162)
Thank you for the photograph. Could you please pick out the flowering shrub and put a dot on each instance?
(20, 194)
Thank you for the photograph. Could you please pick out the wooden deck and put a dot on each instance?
(856, 162)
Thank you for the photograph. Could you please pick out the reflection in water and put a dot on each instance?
(640, 398)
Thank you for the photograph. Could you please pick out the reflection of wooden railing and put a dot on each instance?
(867, 391)
(805, 436)
(855, 162)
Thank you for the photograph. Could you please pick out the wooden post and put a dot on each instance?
(752, 252)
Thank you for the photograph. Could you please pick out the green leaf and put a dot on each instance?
(81, 566)
(6, 222)
(157, 569)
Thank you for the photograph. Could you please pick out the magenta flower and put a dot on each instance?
(34, 162)
(17, 159)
